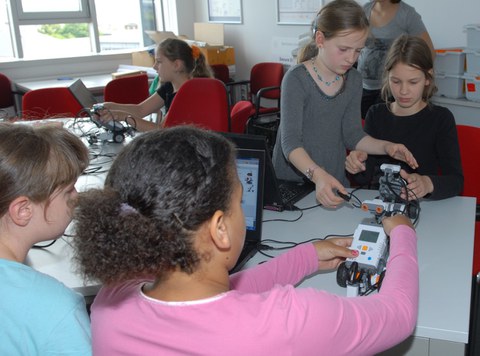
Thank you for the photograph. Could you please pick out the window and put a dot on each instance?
(34, 29)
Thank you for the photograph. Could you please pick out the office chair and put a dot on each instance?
(264, 83)
(469, 142)
(132, 89)
(239, 116)
(49, 103)
(201, 102)
(221, 72)
(7, 94)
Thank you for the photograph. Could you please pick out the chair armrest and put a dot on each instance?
(266, 89)
(259, 96)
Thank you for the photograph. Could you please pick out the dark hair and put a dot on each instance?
(194, 61)
(159, 191)
(412, 51)
(335, 17)
(36, 161)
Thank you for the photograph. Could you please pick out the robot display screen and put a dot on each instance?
(368, 236)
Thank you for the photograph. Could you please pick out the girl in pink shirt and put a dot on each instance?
(162, 236)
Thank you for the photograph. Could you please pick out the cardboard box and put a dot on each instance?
(208, 37)
(159, 36)
(210, 33)
(143, 58)
(219, 54)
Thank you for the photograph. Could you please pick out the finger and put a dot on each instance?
(341, 241)
(340, 251)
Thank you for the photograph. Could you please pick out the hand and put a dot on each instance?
(107, 113)
(325, 186)
(333, 251)
(391, 222)
(355, 161)
(401, 153)
(417, 185)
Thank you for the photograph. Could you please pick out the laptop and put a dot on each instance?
(82, 94)
(279, 194)
(251, 168)
(88, 100)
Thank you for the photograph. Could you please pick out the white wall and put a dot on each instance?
(254, 39)
(258, 37)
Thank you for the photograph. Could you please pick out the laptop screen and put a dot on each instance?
(82, 94)
(250, 169)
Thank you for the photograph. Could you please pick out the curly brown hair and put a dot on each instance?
(159, 191)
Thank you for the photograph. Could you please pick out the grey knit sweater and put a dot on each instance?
(325, 126)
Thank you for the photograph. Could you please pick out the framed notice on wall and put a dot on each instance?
(225, 11)
(298, 12)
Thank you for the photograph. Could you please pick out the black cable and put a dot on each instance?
(295, 208)
(38, 246)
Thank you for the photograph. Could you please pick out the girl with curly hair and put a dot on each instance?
(165, 231)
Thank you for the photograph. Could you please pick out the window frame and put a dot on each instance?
(38, 17)
(18, 18)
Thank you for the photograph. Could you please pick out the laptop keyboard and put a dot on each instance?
(289, 192)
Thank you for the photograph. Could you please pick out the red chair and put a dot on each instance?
(264, 85)
(239, 116)
(202, 102)
(132, 89)
(469, 142)
(265, 82)
(50, 103)
(6, 92)
(221, 72)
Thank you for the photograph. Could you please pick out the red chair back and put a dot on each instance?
(6, 93)
(241, 112)
(266, 74)
(49, 103)
(201, 102)
(469, 142)
(221, 72)
(132, 89)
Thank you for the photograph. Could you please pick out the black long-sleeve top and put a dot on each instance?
(431, 136)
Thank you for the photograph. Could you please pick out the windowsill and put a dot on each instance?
(87, 57)
(89, 64)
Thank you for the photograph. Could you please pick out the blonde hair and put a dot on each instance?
(335, 17)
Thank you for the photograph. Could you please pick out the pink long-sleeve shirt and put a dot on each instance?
(264, 314)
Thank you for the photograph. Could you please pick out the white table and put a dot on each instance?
(445, 252)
